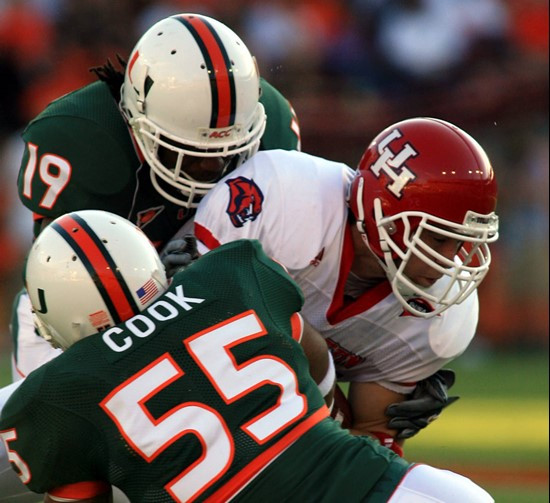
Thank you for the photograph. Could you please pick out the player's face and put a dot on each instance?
(204, 169)
(421, 273)
(200, 169)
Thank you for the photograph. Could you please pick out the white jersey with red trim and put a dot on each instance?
(295, 205)
(30, 351)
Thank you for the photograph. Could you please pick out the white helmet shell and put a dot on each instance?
(90, 270)
(192, 87)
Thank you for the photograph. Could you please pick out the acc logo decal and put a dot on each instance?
(389, 162)
(245, 200)
(145, 217)
(221, 134)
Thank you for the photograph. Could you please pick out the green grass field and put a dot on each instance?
(496, 434)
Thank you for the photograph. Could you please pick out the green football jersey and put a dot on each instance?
(79, 154)
(205, 394)
(182, 397)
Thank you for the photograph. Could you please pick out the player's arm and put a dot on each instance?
(282, 129)
(393, 417)
(321, 366)
(369, 402)
(60, 172)
(423, 405)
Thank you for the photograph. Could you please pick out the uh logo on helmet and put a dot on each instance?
(389, 162)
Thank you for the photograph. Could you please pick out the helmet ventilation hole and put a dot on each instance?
(73, 258)
(203, 66)
(173, 51)
(74, 229)
(159, 33)
(48, 259)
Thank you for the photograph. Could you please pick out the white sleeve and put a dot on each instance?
(396, 351)
(30, 350)
(278, 197)
(426, 484)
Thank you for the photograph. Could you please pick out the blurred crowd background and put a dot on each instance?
(350, 68)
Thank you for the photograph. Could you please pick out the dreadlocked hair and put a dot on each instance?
(114, 78)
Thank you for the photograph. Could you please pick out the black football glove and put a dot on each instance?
(424, 405)
(178, 254)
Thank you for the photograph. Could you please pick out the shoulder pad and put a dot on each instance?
(78, 154)
(282, 130)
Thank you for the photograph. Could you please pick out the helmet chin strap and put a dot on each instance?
(360, 223)
(389, 263)
(45, 332)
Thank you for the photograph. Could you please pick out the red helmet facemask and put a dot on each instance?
(427, 175)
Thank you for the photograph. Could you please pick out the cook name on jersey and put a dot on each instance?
(166, 308)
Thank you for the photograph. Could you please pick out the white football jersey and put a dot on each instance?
(30, 350)
(295, 205)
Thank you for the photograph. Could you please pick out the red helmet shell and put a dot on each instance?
(426, 165)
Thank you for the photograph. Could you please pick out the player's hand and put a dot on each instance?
(423, 406)
(178, 254)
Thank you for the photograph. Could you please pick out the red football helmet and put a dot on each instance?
(426, 173)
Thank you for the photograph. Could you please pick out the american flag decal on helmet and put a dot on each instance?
(147, 291)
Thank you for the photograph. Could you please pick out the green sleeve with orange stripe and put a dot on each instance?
(282, 130)
(78, 155)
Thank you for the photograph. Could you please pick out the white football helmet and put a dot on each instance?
(192, 87)
(87, 271)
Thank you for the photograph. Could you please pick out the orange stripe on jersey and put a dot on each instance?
(241, 479)
(98, 262)
(80, 490)
(217, 61)
(297, 325)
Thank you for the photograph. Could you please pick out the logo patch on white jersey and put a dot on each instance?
(245, 200)
(393, 164)
(342, 356)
